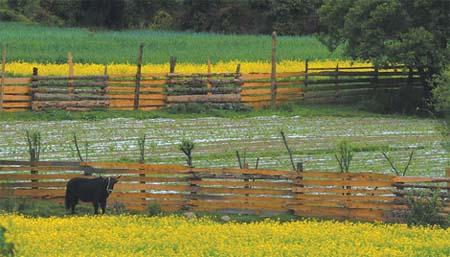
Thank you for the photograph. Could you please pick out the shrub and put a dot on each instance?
(153, 209)
(6, 248)
(344, 155)
(186, 147)
(162, 21)
(118, 208)
(424, 209)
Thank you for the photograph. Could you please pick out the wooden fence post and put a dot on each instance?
(238, 71)
(336, 83)
(70, 81)
(447, 174)
(2, 82)
(173, 63)
(306, 72)
(273, 77)
(137, 89)
(105, 88)
(34, 85)
(375, 80)
(297, 183)
(208, 83)
(195, 188)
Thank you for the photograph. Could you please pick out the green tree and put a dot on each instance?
(410, 32)
(295, 17)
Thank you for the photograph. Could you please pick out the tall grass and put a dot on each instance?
(35, 43)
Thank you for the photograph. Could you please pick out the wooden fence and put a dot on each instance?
(360, 196)
(155, 91)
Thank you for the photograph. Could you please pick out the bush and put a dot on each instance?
(405, 101)
(6, 248)
(162, 21)
(153, 209)
(424, 209)
(118, 208)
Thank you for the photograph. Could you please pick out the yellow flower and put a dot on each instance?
(177, 236)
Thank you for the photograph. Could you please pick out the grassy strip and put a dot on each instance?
(194, 111)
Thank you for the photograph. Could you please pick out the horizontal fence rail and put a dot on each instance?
(155, 91)
(360, 196)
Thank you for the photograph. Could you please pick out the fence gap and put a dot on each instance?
(137, 89)
(71, 73)
(273, 76)
(2, 81)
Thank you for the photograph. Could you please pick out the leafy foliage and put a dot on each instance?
(424, 210)
(186, 147)
(6, 248)
(292, 17)
(410, 32)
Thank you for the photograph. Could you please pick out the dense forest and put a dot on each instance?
(288, 17)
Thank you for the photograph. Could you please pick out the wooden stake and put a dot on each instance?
(238, 70)
(239, 159)
(336, 83)
(447, 174)
(33, 86)
(273, 77)
(288, 149)
(306, 72)
(209, 85)
(137, 89)
(71, 73)
(173, 63)
(2, 82)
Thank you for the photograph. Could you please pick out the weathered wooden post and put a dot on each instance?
(336, 83)
(173, 63)
(34, 85)
(2, 81)
(137, 89)
(71, 73)
(375, 80)
(209, 77)
(195, 189)
(105, 87)
(447, 174)
(273, 77)
(297, 185)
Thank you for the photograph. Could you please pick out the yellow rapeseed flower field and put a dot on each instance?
(176, 236)
(25, 68)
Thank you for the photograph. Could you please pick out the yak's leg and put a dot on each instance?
(103, 206)
(73, 204)
(95, 203)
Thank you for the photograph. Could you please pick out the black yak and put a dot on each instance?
(94, 190)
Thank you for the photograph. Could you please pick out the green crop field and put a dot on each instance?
(51, 44)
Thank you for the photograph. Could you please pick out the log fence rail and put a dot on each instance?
(357, 196)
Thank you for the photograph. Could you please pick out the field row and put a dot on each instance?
(26, 68)
(312, 140)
